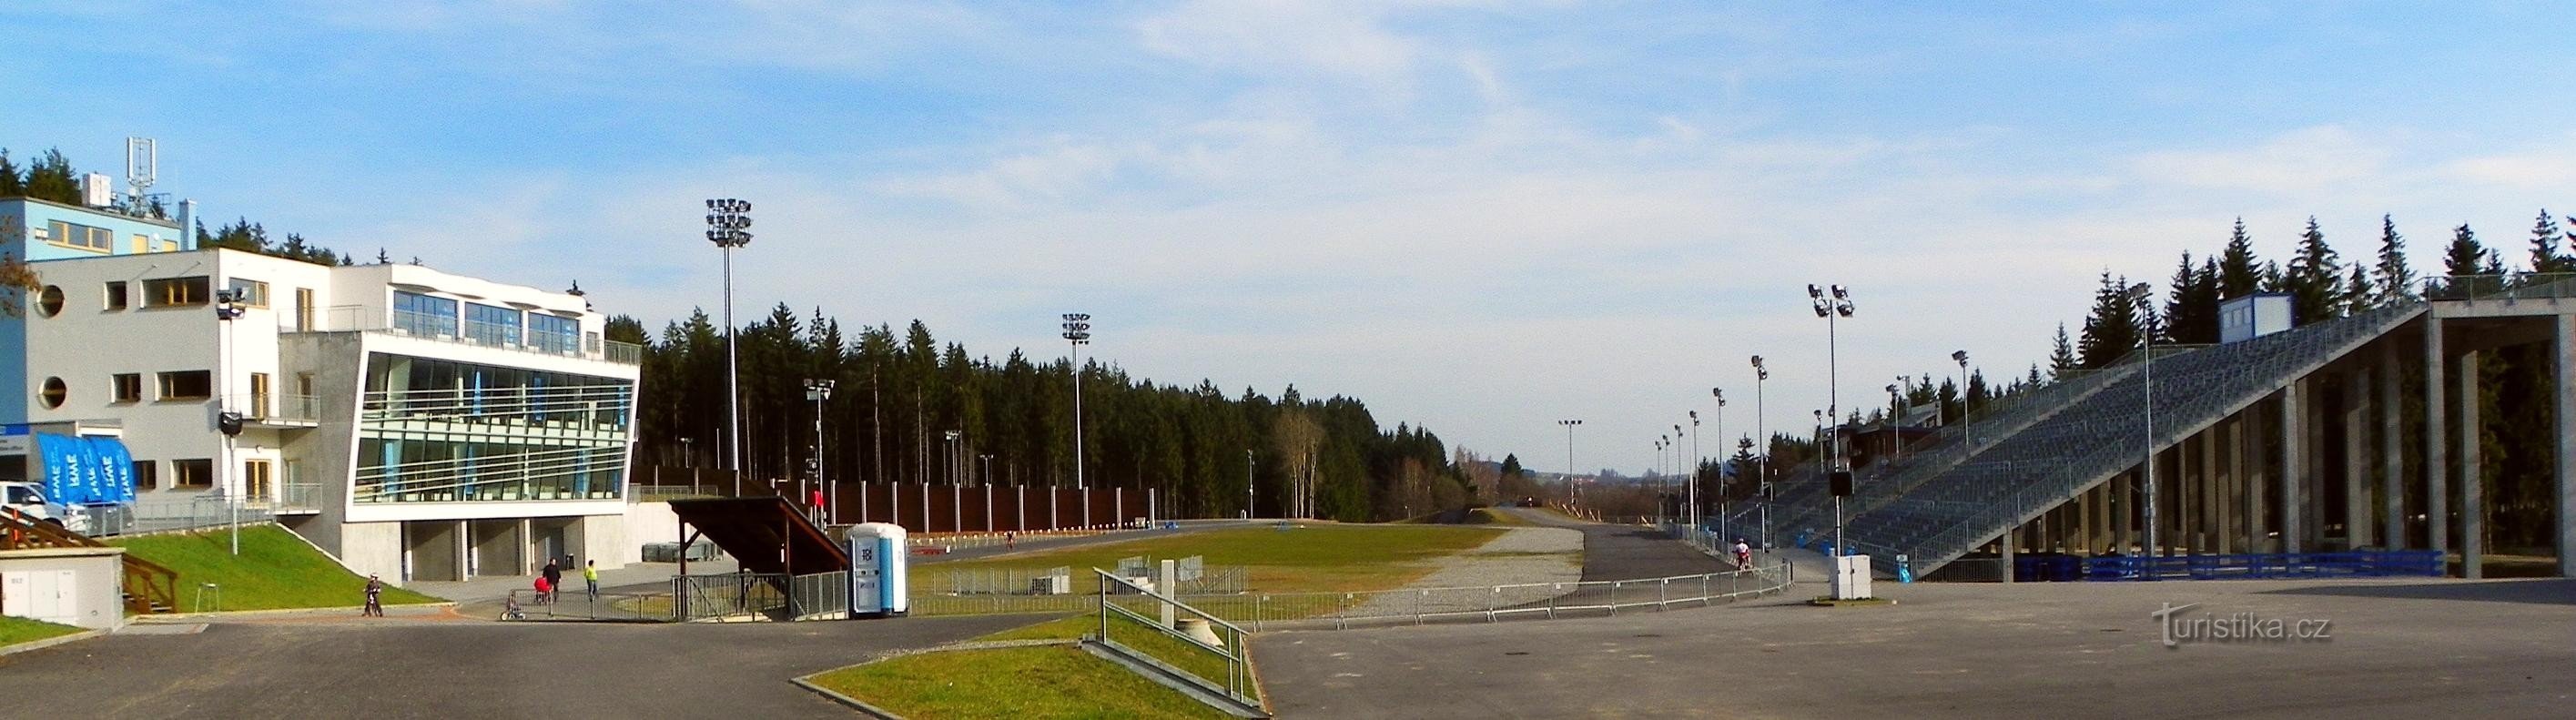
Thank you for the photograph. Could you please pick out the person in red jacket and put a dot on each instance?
(543, 589)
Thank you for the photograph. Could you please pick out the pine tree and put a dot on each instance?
(2238, 275)
(12, 182)
(2396, 279)
(2191, 310)
(2358, 294)
(52, 178)
(2114, 327)
(2314, 278)
(2061, 356)
(2545, 239)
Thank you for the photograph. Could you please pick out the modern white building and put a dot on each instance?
(414, 423)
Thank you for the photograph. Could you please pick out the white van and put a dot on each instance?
(29, 500)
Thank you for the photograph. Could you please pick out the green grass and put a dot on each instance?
(1055, 681)
(1189, 657)
(275, 570)
(14, 630)
(1490, 516)
(1315, 557)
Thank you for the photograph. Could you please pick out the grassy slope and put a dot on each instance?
(1316, 557)
(14, 630)
(1032, 682)
(275, 570)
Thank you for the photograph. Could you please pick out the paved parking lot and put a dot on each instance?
(425, 668)
(2396, 648)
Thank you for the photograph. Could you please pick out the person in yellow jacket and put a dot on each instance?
(590, 576)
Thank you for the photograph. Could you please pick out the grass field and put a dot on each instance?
(14, 630)
(275, 570)
(1312, 557)
(1055, 681)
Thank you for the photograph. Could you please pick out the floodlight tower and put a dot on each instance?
(2141, 293)
(1830, 307)
(1573, 488)
(1762, 462)
(1077, 332)
(728, 223)
(1968, 438)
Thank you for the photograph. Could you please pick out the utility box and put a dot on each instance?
(877, 561)
(1851, 577)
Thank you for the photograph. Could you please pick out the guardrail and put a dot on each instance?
(2367, 563)
(1189, 656)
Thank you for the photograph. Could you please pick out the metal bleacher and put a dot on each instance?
(2062, 440)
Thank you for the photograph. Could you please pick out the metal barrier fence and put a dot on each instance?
(731, 596)
(577, 605)
(819, 596)
(2385, 563)
(1417, 606)
(1002, 581)
(1134, 624)
(146, 516)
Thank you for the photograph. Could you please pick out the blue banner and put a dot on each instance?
(86, 471)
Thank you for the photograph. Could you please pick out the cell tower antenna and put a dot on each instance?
(142, 163)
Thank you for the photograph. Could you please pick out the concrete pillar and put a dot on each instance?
(2294, 434)
(2204, 508)
(526, 540)
(2392, 451)
(2565, 352)
(2473, 493)
(462, 541)
(2437, 503)
(2186, 490)
(2231, 493)
(2256, 454)
(2005, 552)
(2122, 487)
(2356, 463)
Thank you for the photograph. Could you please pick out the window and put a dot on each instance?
(49, 301)
(193, 473)
(554, 334)
(492, 325)
(116, 295)
(252, 293)
(303, 309)
(142, 243)
(81, 236)
(424, 315)
(166, 292)
(187, 385)
(259, 395)
(54, 393)
(146, 475)
(255, 479)
(129, 387)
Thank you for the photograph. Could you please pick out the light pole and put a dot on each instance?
(1762, 462)
(1247, 483)
(2139, 293)
(728, 221)
(819, 390)
(1896, 402)
(1077, 332)
(1573, 488)
(1663, 476)
(227, 309)
(1691, 491)
(1837, 305)
(1966, 427)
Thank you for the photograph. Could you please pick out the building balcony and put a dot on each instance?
(277, 412)
(356, 318)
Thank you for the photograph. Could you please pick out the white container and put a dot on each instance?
(877, 564)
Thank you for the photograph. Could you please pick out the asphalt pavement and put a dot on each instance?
(1627, 552)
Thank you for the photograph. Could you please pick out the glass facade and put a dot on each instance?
(491, 325)
(424, 315)
(554, 334)
(445, 431)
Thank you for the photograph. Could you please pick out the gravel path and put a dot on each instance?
(1521, 555)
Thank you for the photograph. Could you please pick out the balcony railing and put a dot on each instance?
(446, 328)
(2507, 286)
(299, 497)
(273, 407)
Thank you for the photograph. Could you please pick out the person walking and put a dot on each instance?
(375, 597)
(553, 575)
(590, 577)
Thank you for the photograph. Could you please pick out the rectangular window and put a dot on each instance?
(554, 334)
(304, 309)
(492, 325)
(251, 293)
(129, 387)
(424, 315)
(256, 481)
(146, 475)
(193, 473)
(116, 295)
(168, 292)
(187, 385)
(169, 246)
(142, 243)
(81, 236)
(259, 395)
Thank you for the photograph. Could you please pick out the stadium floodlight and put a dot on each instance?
(1831, 305)
(1967, 425)
(728, 226)
(2141, 294)
(1573, 489)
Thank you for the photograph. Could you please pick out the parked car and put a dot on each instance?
(29, 500)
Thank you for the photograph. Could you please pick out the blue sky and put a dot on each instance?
(1478, 216)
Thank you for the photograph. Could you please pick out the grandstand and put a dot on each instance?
(2297, 441)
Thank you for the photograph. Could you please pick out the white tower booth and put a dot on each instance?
(877, 555)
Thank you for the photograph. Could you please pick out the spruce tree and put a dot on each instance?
(2545, 239)
(2061, 356)
(51, 178)
(2238, 275)
(2396, 280)
(2114, 327)
(2314, 278)
(2462, 261)
(2191, 308)
(12, 182)
(2358, 294)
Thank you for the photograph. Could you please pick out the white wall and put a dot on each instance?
(373, 548)
(95, 576)
(646, 522)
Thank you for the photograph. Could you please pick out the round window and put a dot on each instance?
(54, 393)
(50, 300)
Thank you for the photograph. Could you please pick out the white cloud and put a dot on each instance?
(2306, 160)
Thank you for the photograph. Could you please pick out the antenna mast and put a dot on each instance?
(142, 163)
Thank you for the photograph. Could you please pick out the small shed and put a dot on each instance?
(78, 586)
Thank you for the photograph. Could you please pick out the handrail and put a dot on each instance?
(1237, 683)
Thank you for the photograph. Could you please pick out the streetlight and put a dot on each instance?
(227, 309)
(1077, 332)
(1573, 489)
(2140, 293)
(1691, 490)
(1762, 462)
(1896, 403)
(1663, 474)
(1247, 483)
(819, 390)
(1966, 427)
(1836, 305)
(728, 221)
(988, 470)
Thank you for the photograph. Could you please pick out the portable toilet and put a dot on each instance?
(876, 570)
